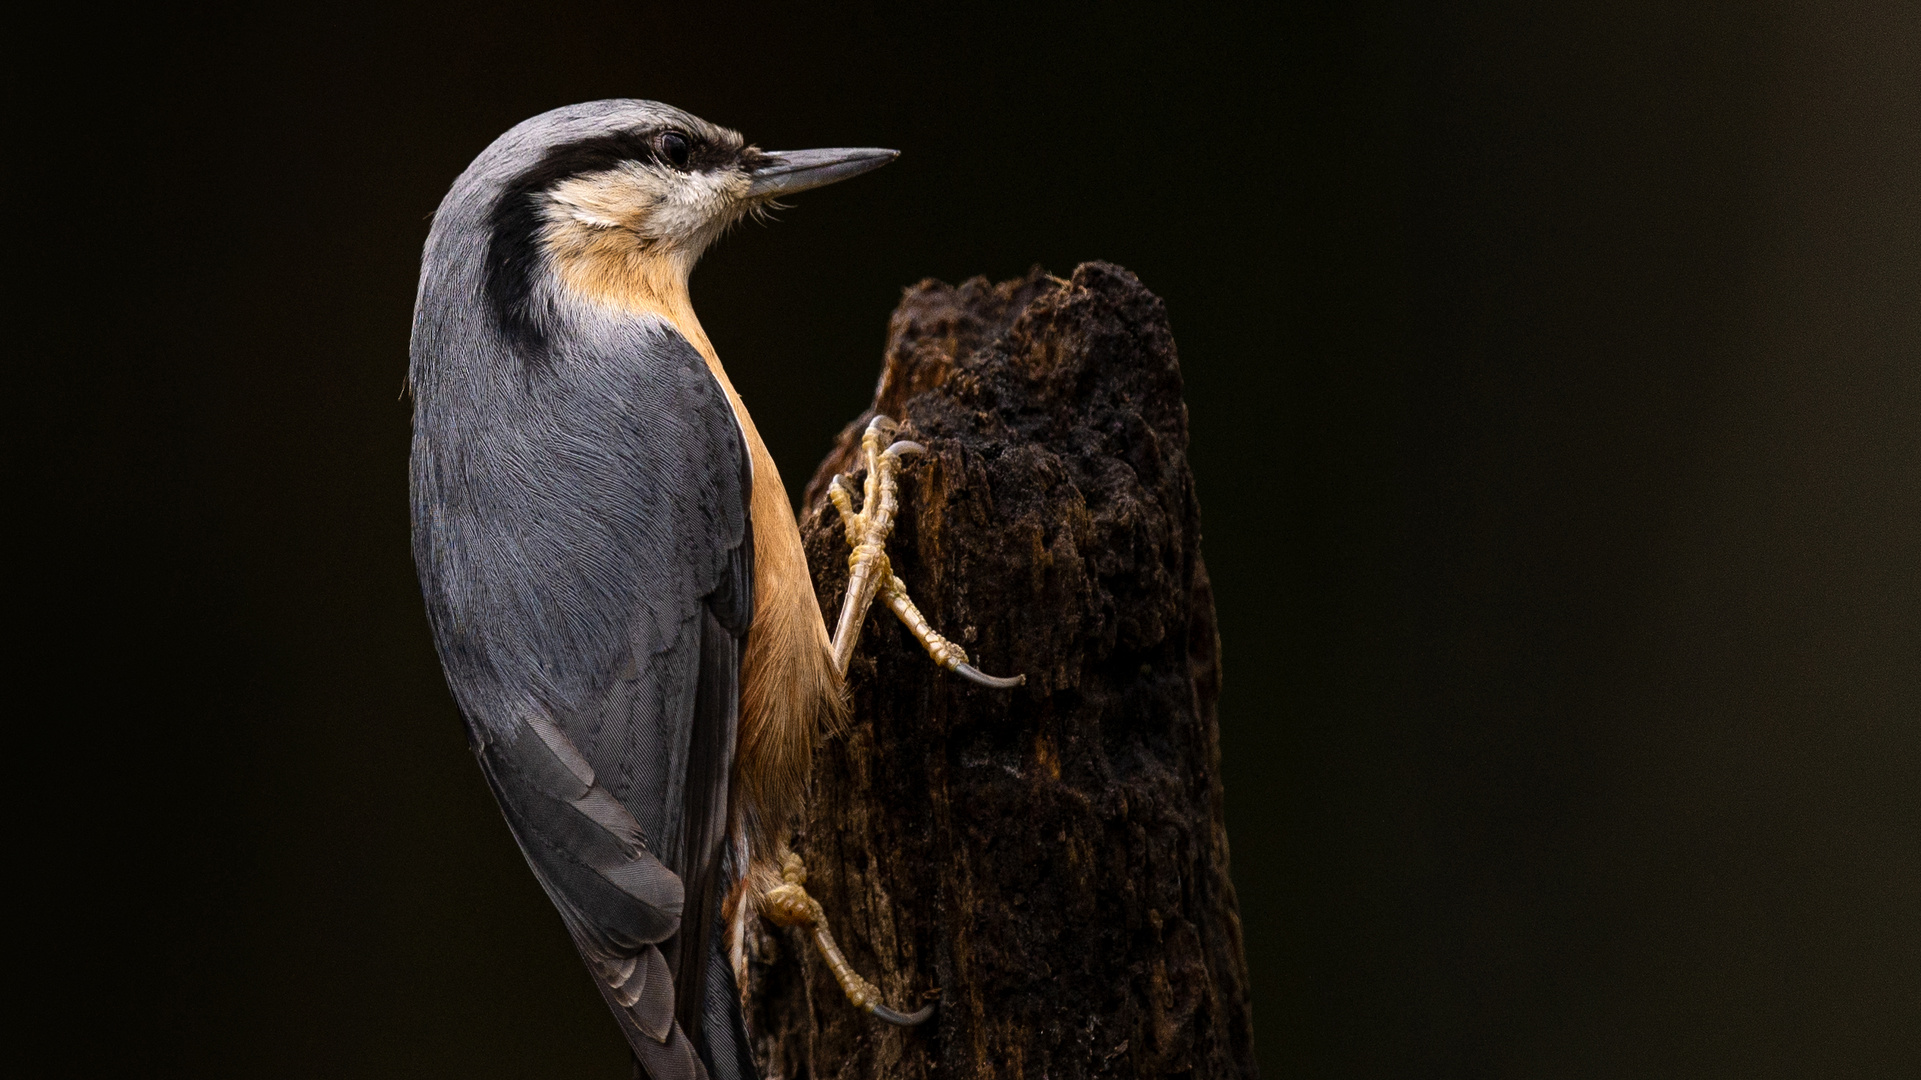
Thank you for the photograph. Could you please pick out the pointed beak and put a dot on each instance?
(783, 172)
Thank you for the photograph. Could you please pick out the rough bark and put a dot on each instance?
(1048, 863)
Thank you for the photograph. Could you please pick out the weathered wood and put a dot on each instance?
(1048, 863)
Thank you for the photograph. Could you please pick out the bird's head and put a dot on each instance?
(613, 202)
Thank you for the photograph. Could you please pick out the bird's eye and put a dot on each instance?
(674, 147)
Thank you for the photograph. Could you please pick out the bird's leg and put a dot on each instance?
(867, 532)
(869, 574)
(868, 571)
(788, 904)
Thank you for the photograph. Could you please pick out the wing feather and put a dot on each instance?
(583, 535)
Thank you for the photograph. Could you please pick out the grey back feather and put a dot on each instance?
(582, 537)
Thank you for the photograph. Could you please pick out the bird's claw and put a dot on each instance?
(870, 574)
(902, 1019)
(788, 904)
(973, 674)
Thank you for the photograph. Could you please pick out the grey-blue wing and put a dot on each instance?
(585, 548)
(617, 900)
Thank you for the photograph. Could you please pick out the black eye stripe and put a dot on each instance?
(513, 255)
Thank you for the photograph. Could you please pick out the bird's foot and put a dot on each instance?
(869, 574)
(788, 904)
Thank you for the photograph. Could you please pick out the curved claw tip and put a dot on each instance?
(974, 674)
(906, 446)
(902, 1019)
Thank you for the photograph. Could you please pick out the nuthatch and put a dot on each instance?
(612, 569)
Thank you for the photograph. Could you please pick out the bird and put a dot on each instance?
(611, 569)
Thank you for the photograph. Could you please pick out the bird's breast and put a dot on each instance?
(788, 683)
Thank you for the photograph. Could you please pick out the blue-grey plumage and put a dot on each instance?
(584, 488)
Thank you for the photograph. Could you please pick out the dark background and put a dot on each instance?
(1554, 390)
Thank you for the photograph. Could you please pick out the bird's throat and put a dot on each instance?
(606, 268)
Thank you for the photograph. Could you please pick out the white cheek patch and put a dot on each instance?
(685, 212)
(697, 207)
(617, 198)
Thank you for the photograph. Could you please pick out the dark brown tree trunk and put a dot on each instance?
(1048, 864)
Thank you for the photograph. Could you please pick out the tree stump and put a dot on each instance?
(1049, 863)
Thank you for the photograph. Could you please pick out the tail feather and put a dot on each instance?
(673, 1059)
(723, 1029)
